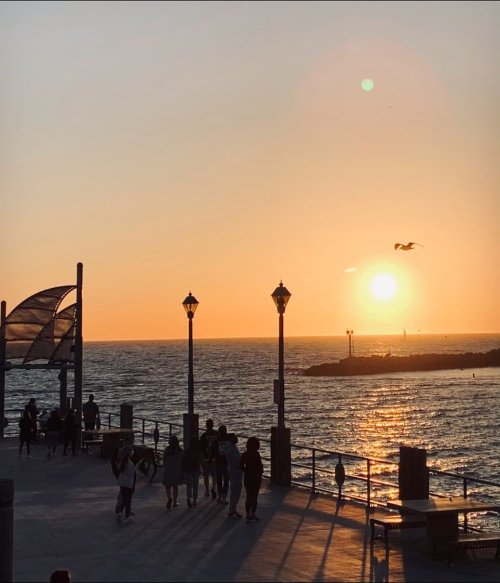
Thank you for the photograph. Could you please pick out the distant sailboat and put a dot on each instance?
(404, 334)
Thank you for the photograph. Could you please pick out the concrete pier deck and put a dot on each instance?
(64, 518)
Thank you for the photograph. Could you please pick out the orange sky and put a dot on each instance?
(220, 147)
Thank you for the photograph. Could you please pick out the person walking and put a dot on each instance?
(69, 431)
(235, 474)
(54, 431)
(90, 412)
(25, 433)
(206, 440)
(191, 464)
(126, 471)
(172, 470)
(251, 465)
(33, 411)
(222, 474)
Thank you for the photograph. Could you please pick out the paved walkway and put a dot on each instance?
(64, 518)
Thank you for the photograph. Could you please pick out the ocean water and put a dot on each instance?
(453, 414)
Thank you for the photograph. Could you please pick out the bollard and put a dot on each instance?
(6, 530)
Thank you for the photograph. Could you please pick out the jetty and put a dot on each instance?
(376, 364)
(64, 518)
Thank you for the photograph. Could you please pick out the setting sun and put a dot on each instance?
(383, 286)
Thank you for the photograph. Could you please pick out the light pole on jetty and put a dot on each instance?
(281, 473)
(190, 419)
(350, 333)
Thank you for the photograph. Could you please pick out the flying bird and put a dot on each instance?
(407, 247)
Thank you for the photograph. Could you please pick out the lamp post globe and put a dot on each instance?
(190, 304)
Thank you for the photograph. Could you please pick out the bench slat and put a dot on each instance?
(395, 522)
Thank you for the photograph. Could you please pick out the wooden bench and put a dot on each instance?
(474, 540)
(395, 522)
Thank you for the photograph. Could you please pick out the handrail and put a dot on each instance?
(314, 473)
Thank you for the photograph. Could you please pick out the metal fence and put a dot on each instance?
(367, 480)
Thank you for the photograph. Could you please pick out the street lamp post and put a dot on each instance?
(280, 435)
(190, 419)
(350, 333)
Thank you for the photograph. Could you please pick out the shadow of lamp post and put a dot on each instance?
(190, 418)
(281, 470)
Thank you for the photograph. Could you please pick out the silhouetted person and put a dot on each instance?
(222, 474)
(126, 472)
(25, 433)
(206, 440)
(235, 474)
(54, 431)
(90, 412)
(191, 464)
(251, 465)
(172, 470)
(69, 431)
(33, 411)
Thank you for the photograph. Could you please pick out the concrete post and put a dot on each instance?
(6, 530)
(191, 427)
(413, 477)
(127, 420)
(126, 416)
(281, 458)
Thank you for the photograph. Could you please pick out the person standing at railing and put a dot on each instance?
(90, 412)
(209, 473)
(251, 465)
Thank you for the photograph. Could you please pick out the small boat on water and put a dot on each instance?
(375, 364)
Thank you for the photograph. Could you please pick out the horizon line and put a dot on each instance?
(295, 337)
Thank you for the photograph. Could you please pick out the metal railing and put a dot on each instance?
(367, 480)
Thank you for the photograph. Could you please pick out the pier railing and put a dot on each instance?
(367, 480)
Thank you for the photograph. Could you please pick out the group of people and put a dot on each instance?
(215, 455)
(56, 426)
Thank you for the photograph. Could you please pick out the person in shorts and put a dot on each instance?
(207, 439)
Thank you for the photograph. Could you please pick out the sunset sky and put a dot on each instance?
(220, 147)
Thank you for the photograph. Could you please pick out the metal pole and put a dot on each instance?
(281, 374)
(77, 401)
(190, 368)
(2, 366)
(6, 530)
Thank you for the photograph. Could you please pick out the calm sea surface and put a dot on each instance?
(454, 414)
